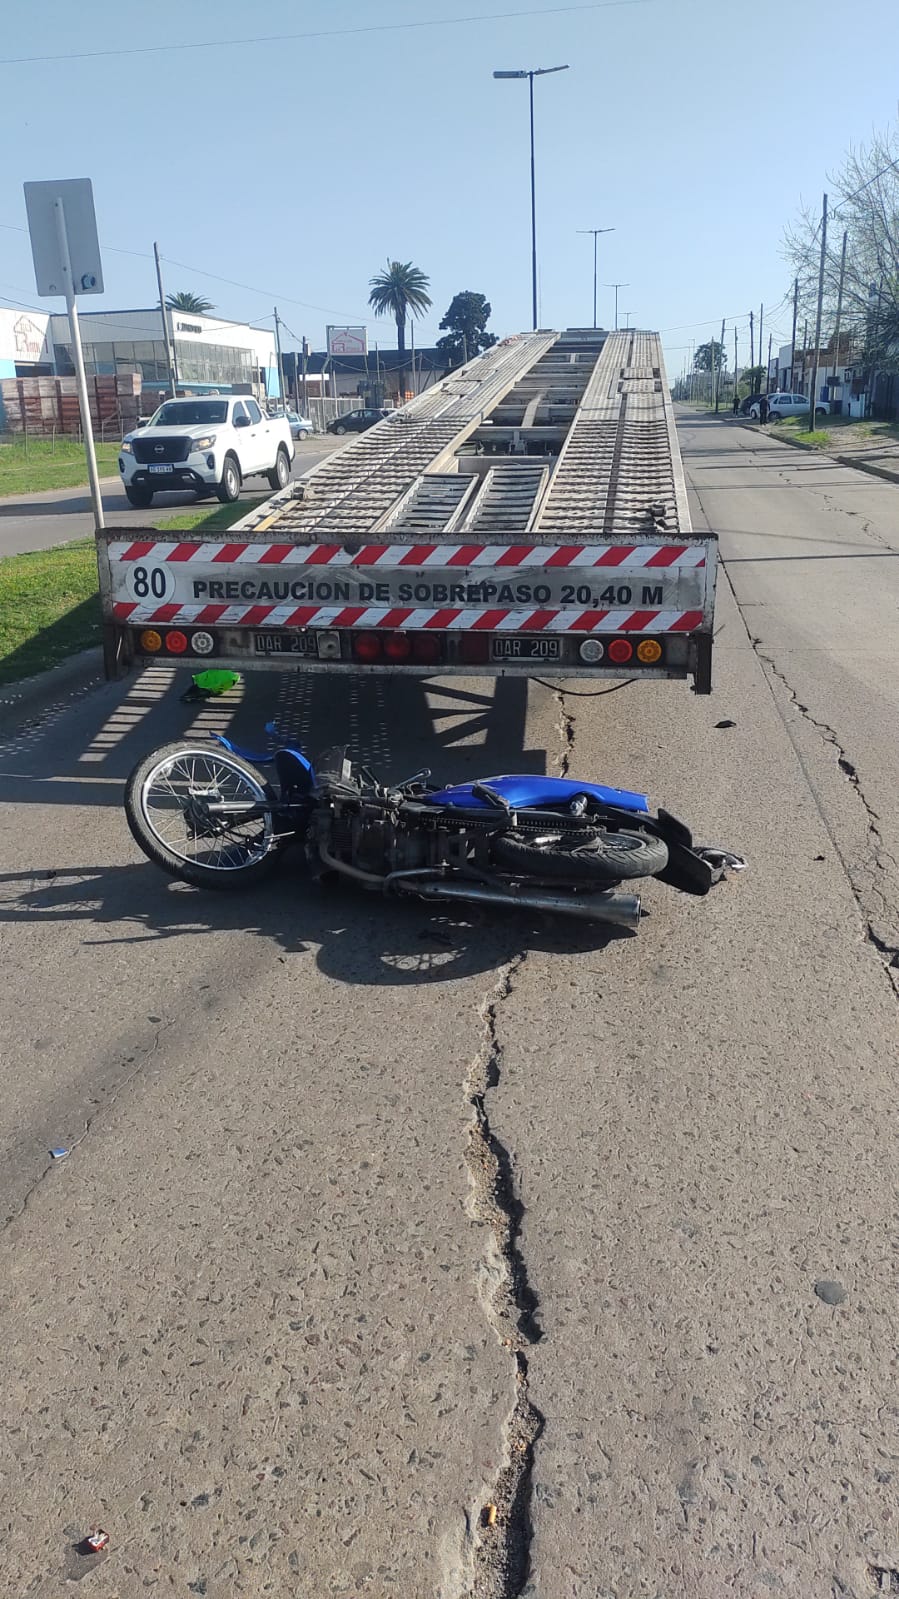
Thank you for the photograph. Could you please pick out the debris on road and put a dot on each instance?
(832, 1293)
(489, 1515)
(209, 685)
(96, 1540)
(725, 722)
(59, 1153)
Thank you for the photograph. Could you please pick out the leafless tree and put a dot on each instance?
(864, 197)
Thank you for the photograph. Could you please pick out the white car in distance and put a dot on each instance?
(210, 445)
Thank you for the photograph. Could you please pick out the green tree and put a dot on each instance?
(466, 325)
(193, 304)
(400, 291)
(702, 360)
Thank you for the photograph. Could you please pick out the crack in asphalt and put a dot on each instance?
(105, 1104)
(565, 727)
(887, 949)
(499, 1553)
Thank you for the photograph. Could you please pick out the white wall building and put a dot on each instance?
(210, 352)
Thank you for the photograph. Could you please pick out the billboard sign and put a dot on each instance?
(347, 341)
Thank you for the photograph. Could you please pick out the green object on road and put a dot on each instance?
(208, 685)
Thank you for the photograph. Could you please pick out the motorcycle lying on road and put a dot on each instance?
(206, 814)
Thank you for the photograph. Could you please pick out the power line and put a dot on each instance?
(307, 305)
(326, 33)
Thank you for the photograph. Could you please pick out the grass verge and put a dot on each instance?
(200, 516)
(39, 464)
(49, 604)
(49, 608)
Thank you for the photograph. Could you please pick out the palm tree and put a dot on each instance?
(402, 291)
(193, 304)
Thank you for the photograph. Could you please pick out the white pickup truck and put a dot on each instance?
(209, 445)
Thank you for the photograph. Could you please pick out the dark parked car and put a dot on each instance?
(357, 421)
(750, 401)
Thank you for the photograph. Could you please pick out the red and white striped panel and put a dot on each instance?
(425, 556)
(443, 619)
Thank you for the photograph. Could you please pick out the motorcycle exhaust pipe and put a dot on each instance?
(621, 910)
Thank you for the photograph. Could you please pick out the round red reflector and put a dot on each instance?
(367, 647)
(397, 646)
(176, 642)
(620, 650)
(426, 647)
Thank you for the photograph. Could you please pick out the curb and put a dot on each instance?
(882, 472)
(27, 701)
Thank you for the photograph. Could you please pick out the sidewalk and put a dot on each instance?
(876, 454)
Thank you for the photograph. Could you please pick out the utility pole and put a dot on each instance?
(595, 232)
(813, 392)
(169, 349)
(761, 321)
(793, 335)
(735, 361)
(305, 378)
(836, 336)
(280, 362)
(804, 350)
(751, 351)
(770, 337)
(713, 390)
(720, 365)
(616, 287)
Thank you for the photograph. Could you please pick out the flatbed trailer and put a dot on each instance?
(526, 514)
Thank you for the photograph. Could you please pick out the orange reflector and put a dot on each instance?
(176, 642)
(151, 641)
(649, 651)
(620, 650)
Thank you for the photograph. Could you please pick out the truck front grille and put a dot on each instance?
(149, 451)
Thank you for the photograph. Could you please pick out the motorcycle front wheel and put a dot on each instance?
(200, 814)
(586, 857)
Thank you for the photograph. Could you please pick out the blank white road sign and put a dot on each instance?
(77, 196)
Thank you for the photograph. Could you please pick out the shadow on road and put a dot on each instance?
(82, 754)
(355, 937)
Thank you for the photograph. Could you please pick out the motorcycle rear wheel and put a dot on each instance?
(164, 808)
(594, 857)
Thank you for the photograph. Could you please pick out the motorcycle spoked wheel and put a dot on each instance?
(585, 857)
(165, 811)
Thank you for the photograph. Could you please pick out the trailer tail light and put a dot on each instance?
(150, 641)
(176, 642)
(620, 650)
(397, 646)
(367, 646)
(474, 649)
(427, 648)
(649, 651)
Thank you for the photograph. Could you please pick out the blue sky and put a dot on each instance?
(295, 167)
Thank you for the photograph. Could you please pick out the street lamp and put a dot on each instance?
(536, 72)
(627, 324)
(616, 287)
(595, 231)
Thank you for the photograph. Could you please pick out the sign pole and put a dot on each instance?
(78, 356)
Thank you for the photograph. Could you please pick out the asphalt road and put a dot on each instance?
(258, 1324)
(37, 521)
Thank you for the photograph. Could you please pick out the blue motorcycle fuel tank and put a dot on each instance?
(530, 789)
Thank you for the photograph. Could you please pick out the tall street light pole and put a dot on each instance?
(535, 72)
(616, 287)
(595, 232)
